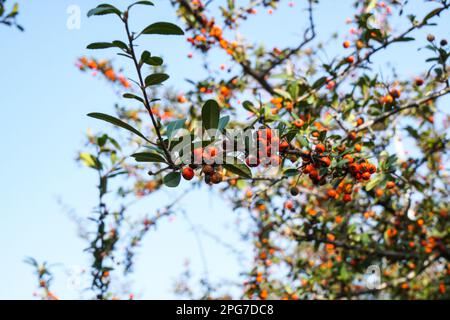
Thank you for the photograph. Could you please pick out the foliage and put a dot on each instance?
(341, 198)
(8, 16)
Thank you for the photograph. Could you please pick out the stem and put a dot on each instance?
(144, 93)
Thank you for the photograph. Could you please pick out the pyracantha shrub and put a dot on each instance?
(329, 194)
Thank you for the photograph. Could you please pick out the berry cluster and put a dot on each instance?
(104, 68)
(264, 142)
(213, 173)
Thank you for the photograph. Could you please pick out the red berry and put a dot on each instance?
(320, 148)
(390, 185)
(298, 123)
(325, 161)
(332, 193)
(366, 176)
(284, 145)
(188, 173)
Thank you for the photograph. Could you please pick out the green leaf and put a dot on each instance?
(164, 28)
(117, 122)
(283, 93)
(156, 78)
(120, 44)
(210, 115)
(173, 126)
(172, 180)
(374, 182)
(319, 82)
(223, 123)
(341, 163)
(291, 134)
(147, 3)
(304, 142)
(237, 167)
(147, 58)
(343, 273)
(432, 14)
(100, 45)
(104, 9)
(153, 61)
(148, 157)
(107, 45)
(405, 39)
(89, 160)
(133, 96)
(291, 172)
(250, 107)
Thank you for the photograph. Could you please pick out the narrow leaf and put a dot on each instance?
(237, 167)
(117, 122)
(164, 28)
(156, 78)
(210, 115)
(148, 157)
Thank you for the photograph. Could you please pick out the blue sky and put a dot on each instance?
(44, 100)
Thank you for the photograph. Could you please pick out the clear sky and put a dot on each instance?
(44, 100)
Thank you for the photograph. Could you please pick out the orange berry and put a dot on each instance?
(216, 178)
(379, 192)
(332, 193)
(308, 169)
(349, 158)
(391, 232)
(320, 148)
(366, 176)
(331, 84)
(348, 188)
(325, 161)
(387, 99)
(419, 81)
(207, 169)
(181, 99)
(314, 175)
(395, 93)
(360, 121)
(188, 173)
(352, 135)
(359, 44)
(289, 205)
(347, 198)
(390, 185)
(263, 294)
(346, 44)
(298, 123)
(351, 59)
(358, 147)
(284, 145)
